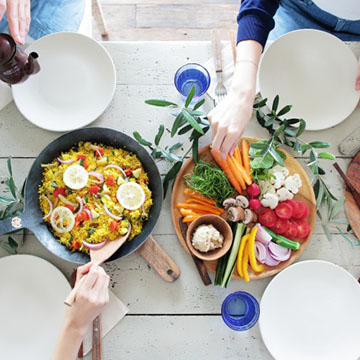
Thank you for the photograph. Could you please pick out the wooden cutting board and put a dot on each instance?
(352, 211)
(305, 195)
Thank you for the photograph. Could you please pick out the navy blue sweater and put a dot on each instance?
(255, 19)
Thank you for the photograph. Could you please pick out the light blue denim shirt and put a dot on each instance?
(50, 16)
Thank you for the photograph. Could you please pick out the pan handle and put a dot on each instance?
(12, 224)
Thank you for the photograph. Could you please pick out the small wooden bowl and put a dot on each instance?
(219, 224)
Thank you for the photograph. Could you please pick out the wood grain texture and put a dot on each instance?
(96, 353)
(352, 210)
(306, 195)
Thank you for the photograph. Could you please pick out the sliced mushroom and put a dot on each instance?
(249, 217)
(242, 201)
(251, 225)
(229, 202)
(235, 214)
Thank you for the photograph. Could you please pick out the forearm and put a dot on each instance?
(68, 342)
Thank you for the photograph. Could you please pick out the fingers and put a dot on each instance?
(2, 8)
(228, 144)
(22, 20)
(82, 270)
(27, 16)
(13, 19)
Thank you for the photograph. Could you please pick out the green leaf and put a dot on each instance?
(6, 200)
(326, 155)
(269, 121)
(140, 140)
(327, 232)
(321, 171)
(276, 157)
(6, 246)
(192, 122)
(171, 175)
(312, 157)
(197, 113)
(279, 130)
(198, 104)
(9, 166)
(195, 150)
(12, 187)
(175, 147)
(162, 103)
(156, 154)
(320, 144)
(297, 146)
(265, 162)
(290, 132)
(260, 116)
(176, 124)
(284, 110)
(258, 145)
(260, 104)
(185, 129)
(292, 121)
(159, 134)
(12, 242)
(190, 96)
(169, 156)
(275, 103)
(301, 127)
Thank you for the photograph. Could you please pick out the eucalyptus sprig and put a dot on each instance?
(187, 119)
(288, 132)
(11, 204)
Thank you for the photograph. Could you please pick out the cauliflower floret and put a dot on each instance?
(270, 200)
(278, 180)
(266, 187)
(293, 183)
(284, 194)
(281, 169)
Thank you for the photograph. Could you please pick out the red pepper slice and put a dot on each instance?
(113, 226)
(78, 220)
(100, 151)
(75, 244)
(85, 165)
(128, 172)
(81, 157)
(70, 207)
(59, 191)
(110, 181)
(94, 189)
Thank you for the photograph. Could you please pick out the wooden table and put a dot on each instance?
(180, 320)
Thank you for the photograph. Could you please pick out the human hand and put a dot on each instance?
(19, 17)
(357, 81)
(91, 297)
(229, 120)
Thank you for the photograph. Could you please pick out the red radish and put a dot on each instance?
(253, 190)
(254, 204)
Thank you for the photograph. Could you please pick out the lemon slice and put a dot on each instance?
(62, 219)
(75, 177)
(130, 195)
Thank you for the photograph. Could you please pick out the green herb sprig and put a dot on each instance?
(11, 204)
(187, 119)
(288, 132)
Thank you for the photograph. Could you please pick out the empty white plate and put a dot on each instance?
(32, 293)
(311, 311)
(313, 71)
(74, 86)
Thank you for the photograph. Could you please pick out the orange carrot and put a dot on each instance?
(245, 155)
(246, 176)
(197, 201)
(189, 218)
(198, 207)
(196, 195)
(186, 212)
(237, 155)
(234, 169)
(226, 169)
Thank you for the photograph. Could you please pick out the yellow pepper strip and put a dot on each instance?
(251, 245)
(241, 253)
(245, 264)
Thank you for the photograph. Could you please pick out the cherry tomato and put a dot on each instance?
(94, 189)
(72, 208)
(303, 228)
(85, 165)
(110, 181)
(75, 244)
(267, 217)
(284, 211)
(59, 191)
(281, 226)
(113, 225)
(306, 210)
(292, 204)
(100, 151)
(300, 210)
(128, 172)
(78, 220)
(81, 157)
(292, 231)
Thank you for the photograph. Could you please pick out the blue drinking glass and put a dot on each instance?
(240, 311)
(190, 75)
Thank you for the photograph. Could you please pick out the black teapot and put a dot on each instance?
(15, 65)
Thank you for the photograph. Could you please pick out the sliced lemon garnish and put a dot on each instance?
(62, 219)
(130, 195)
(75, 177)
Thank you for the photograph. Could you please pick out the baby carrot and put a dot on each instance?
(237, 155)
(234, 169)
(246, 176)
(199, 207)
(245, 155)
(194, 194)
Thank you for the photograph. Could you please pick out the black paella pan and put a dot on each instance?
(32, 217)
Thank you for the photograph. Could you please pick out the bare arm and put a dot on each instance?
(230, 118)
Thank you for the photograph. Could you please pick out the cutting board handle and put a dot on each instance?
(157, 258)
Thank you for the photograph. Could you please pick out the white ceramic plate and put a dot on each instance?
(311, 311)
(32, 292)
(74, 86)
(313, 71)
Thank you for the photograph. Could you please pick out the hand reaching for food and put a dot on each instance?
(91, 298)
(19, 17)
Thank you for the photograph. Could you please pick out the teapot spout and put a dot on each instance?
(32, 66)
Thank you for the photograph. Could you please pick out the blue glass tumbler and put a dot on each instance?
(190, 75)
(240, 311)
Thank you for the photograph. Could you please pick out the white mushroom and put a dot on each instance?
(242, 201)
(278, 180)
(227, 203)
(250, 217)
(270, 200)
(284, 194)
(281, 169)
(235, 214)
